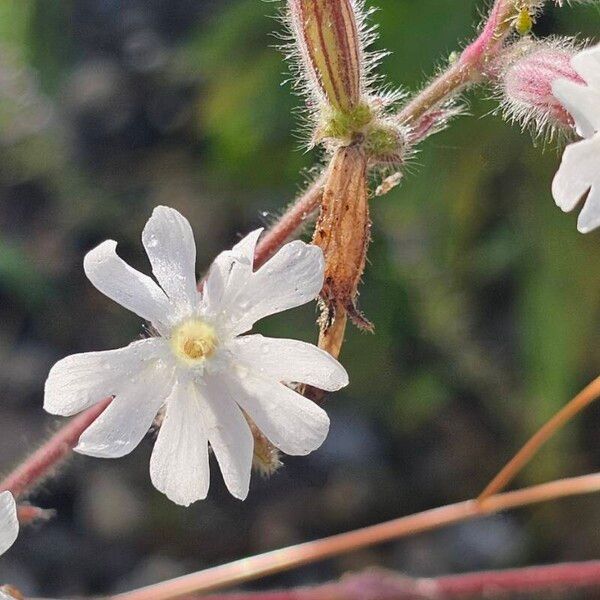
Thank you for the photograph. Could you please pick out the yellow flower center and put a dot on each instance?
(194, 341)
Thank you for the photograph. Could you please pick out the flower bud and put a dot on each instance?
(526, 84)
(328, 38)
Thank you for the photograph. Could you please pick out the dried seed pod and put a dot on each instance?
(8, 592)
(343, 233)
(328, 38)
(265, 459)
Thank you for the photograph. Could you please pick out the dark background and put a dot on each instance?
(485, 297)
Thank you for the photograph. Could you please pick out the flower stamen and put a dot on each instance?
(194, 341)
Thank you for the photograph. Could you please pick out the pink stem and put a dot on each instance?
(386, 585)
(45, 459)
(528, 580)
(468, 69)
(290, 222)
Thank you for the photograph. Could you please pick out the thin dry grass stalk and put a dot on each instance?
(533, 445)
(284, 559)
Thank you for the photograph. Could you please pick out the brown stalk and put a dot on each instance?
(291, 557)
(530, 449)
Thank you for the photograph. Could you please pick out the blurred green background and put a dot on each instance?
(484, 296)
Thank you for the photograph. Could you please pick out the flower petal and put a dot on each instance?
(179, 465)
(291, 422)
(130, 288)
(78, 381)
(229, 436)
(290, 361)
(9, 524)
(294, 276)
(230, 270)
(579, 174)
(245, 249)
(169, 242)
(582, 102)
(587, 64)
(122, 426)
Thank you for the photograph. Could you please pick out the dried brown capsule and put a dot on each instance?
(343, 233)
(265, 459)
(8, 592)
(328, 38)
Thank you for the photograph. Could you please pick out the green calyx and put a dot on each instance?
(383, 142)
(345, 125)
(381, 139)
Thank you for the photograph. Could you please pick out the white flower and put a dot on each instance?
(206, 374)
(9, 524)
(579, 173)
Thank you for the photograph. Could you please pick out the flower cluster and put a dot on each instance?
(211, 382)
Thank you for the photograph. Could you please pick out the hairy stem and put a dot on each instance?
(385, 584)
(294, 556)
(290, 223)
(530, 449)
(39, 465)
(468, 68)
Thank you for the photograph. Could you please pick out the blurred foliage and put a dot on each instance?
(484, 296)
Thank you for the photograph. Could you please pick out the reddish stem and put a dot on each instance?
(28, 514)
(532, 579)
(468, 69)
(46, 458)
(289, 223)
(387, 586)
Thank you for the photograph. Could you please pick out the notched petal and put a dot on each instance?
(291, 422)
(169, 242)
(128, 418)
(81, 380)
(579, 177)
(179, 465)
(135, 291)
